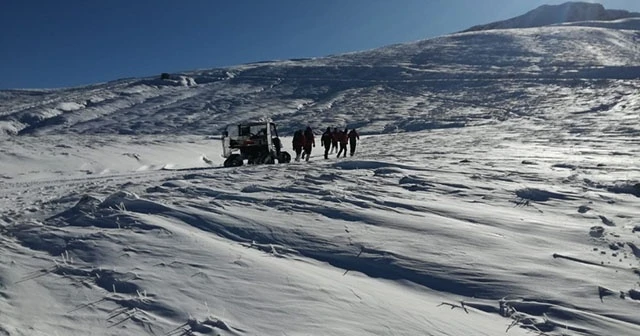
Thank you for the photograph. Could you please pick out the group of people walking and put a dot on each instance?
(304, 141)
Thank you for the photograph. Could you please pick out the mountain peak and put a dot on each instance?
(555, 14)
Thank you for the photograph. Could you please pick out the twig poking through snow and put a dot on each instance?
(453, 306)
(358, 256)
(523, 202)
(87, 305)
(37, 274)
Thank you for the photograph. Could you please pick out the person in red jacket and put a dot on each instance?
(343, 140)
(334, 140)
(353, 139)
(298, 143)
(309, 142)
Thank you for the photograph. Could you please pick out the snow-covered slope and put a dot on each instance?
(524, 225)
(495, 188)
(554, 14)
(444, 82)
(627, 24)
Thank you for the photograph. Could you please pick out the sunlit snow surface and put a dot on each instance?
(478, 203)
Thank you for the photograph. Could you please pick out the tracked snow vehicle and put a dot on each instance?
(255, 142)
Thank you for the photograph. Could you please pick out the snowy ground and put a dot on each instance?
(479, 202)
(118, 246)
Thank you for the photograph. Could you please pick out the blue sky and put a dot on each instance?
(61, 43)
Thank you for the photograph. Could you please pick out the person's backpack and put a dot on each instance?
(326, 137)
(308, 137)
(298, 139)
(342, 137)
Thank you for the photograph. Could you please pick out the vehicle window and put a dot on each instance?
(245, 130)
(232, 131)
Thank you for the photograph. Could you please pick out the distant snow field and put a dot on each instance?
(495, 191)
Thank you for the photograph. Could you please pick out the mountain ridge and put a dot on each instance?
(557, 14)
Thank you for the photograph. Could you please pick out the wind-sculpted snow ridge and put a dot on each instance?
(452, 81)
(463, 231)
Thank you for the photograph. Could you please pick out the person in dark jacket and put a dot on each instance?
(298, 143)
(309, 141)
(334, 140)
(325, 141)
(343, 140)
(353, 140)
